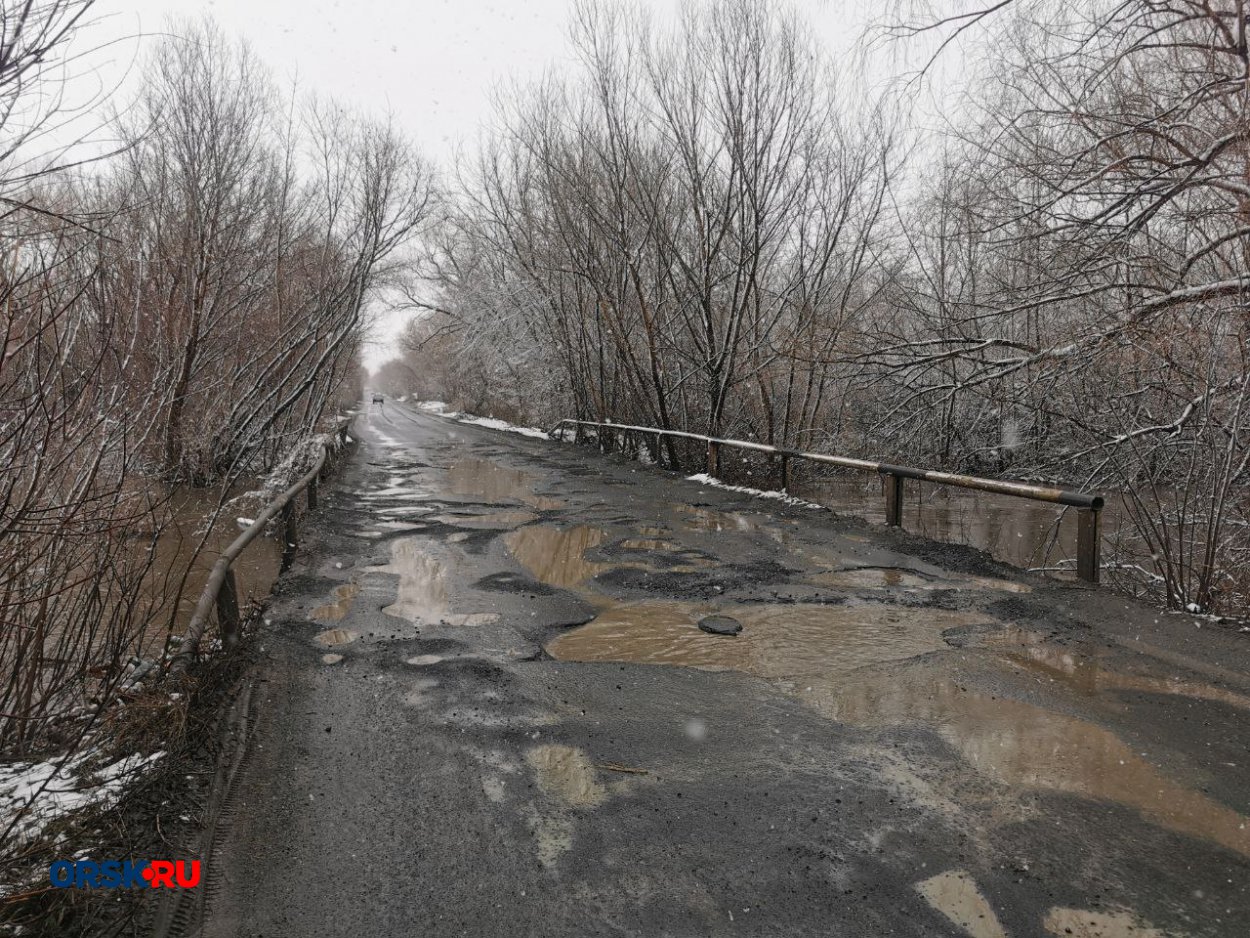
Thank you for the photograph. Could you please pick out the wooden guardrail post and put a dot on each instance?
(1088, 540)
(312, 494)
(713, 458)
(228, 610)
(785, 473)
(893, 499)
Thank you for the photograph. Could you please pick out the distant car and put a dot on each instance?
(377, 398)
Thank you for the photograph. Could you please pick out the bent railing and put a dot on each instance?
(222, 590)
(1089, 506)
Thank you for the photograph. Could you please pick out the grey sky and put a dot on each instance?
(432, 63)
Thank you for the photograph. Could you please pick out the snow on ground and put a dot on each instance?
(492, 423)
(34, 794)
(704, 479)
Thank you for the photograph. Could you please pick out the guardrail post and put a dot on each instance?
(713, 458)
(1088, 540)
(312, 495)
(893, 499)
(228, 610)
(785, 473)
(290, 536)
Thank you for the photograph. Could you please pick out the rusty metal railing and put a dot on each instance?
(1089, 506)
(221, 591)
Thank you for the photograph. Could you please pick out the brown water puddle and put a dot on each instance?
(423, 594)
(895, 578)
(337, 608)
(776, 641)
(1027, 747)
(955, 894)
(481, 478)
(555, 555)
(332, 637)
(1085, 673)
(1086, 923)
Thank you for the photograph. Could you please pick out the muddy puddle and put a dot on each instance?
(955, 894)
(1088, 923)
(423, 594)
(337, 608)
(556, 555)
(1025, 746)
(830, 658)
(489, 481)
(1086, 672)
(777, 641)
(333, 637)
(897, 578)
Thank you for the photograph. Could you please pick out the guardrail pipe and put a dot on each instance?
(221, 590)
(1089, 505)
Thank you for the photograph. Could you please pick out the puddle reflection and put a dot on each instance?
(777, 640)
(1029, 747)
(423, 593)
(481, 478)
(555, 555)
(1084, 673)
(336, 609)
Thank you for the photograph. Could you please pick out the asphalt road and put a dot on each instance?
(905, 739)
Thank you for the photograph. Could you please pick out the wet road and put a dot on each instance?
(483, 706)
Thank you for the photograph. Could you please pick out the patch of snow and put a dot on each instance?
(704, 479)
(34, 794)
(491, 423)
(245, 523)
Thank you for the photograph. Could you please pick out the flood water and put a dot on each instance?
(177, 550)
(1023, 533)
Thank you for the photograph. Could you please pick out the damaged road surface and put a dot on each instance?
(483, 705)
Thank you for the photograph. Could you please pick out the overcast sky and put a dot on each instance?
(431, 63)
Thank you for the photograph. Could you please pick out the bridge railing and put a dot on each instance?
(1089, 506)
(221, 591)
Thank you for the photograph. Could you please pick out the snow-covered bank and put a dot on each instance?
(492, 423)
(34, 794)
(704, 479)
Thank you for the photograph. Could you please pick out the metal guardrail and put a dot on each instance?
(222, 590)
(1089, 506)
